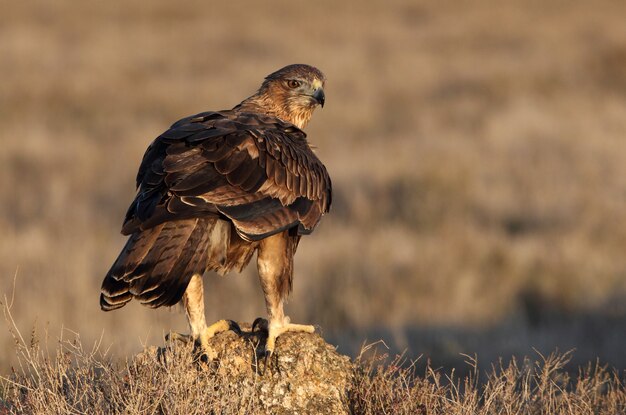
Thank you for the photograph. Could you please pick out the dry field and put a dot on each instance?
(75, 380)
(478, 153)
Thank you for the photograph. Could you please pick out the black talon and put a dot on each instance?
(232, 325)
(183, 338)
(261, 323)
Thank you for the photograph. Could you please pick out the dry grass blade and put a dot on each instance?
(76, 381)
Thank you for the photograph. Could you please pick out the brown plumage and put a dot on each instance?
(215, 186)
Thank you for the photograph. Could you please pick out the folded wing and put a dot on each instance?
(255, 170)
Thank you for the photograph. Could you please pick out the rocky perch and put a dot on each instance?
(305, 375)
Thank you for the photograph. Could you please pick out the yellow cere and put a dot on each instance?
(316, 83)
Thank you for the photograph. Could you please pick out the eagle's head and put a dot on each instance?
(291, 94)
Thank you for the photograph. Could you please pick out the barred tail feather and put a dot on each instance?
(157, 264)
(114, 294)
(173, 282)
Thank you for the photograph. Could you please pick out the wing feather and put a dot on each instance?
(231, 162)
(254, 169)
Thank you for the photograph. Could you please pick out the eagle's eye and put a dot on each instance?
(292, 83)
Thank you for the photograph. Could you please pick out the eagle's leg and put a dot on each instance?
(275, 265)
(193, 300)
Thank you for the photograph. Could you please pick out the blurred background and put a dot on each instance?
(477, 150)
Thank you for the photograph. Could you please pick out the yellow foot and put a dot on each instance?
(276, 329)
(202, 340)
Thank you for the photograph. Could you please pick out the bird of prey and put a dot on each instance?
(217, 187)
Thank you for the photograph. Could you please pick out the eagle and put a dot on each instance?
(215, 188)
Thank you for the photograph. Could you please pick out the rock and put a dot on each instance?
(305, 375)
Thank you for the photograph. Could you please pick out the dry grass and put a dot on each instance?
(532, 386)
(78, 381)
(477, 151)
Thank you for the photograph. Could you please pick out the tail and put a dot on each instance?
(157, 264)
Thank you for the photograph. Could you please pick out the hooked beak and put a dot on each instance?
(319, 96)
